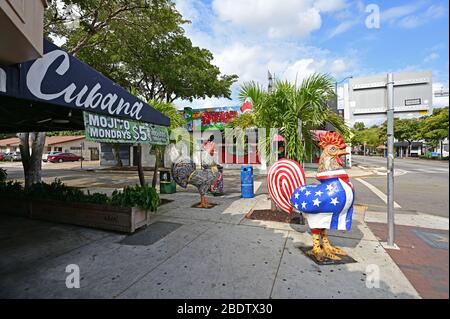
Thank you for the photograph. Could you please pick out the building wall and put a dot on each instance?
(127, 155)
(21, 25)
(7, 149)
(75, 148)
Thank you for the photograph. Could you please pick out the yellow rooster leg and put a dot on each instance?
(328, 248)
(205, 203)
(202, 200)
(316, 250)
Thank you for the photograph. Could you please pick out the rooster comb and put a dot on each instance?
(331, 138)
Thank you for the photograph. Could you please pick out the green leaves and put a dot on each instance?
(435, 127)
(286, 104)
(430, 128)
(144, 197)
(140, 44)
(3, 175)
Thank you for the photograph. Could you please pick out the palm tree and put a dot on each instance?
(176, 120)
(286, 106)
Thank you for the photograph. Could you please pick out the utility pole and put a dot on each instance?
(390, 159)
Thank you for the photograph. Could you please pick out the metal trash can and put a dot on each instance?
(247, 181)
(166, 183)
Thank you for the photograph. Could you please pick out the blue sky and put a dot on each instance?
(295, 38)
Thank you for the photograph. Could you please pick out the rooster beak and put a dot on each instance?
(342, 153)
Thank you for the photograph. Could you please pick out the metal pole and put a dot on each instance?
(390, 159)
(364, 152)
(336, 92)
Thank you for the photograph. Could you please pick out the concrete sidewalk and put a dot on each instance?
(214, 253)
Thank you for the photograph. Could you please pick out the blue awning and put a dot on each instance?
(51, 92)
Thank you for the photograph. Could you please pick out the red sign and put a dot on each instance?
(209, 118)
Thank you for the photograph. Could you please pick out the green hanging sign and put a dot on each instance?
(106, 129)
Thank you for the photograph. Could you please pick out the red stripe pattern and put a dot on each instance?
(284, 177)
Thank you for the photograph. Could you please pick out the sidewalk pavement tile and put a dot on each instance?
(426, 266)
(299, 277)
(227, 261)
(107, 267)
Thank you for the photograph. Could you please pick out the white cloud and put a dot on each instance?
(248, 38)
(431, 57)
(329, 5)
(343, 27)
(394, 13)
(338, 66)
(413, 15)
(277, 19)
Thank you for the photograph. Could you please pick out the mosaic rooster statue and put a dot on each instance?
(326, 206)
(184, 172)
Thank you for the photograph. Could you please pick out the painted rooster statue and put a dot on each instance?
(328, 205)
(184, 172)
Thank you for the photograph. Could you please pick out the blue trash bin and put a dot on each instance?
(247, 181)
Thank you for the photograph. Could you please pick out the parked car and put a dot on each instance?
(45, 156)
(2, 156)
(64, 157)
(16, 156)
(11, 156)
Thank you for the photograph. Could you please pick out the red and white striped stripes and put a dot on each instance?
(284, 177)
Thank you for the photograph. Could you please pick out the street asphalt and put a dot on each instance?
(419, 185)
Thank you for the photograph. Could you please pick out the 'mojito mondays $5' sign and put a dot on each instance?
(101, 128)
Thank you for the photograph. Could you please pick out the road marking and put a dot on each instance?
(431, 170)
(377, 192)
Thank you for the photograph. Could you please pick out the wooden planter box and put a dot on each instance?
(107, 217)
(15, 207)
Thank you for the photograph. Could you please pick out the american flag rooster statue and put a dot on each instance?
(328, 205)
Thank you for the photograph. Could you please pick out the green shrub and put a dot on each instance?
(144, 197)
(3, 175)
(12, 189)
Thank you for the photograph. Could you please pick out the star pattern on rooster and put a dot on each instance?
(307, 193)
(316, 202)
(334, 201)
(319, 193)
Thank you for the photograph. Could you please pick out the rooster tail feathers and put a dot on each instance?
(283, 178)
(182, 170)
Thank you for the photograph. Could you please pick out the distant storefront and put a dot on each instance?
(65, 144)
(201, 120)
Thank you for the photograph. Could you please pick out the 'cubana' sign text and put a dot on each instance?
(102, 128)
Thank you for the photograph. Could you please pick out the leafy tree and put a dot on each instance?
(136, 43)
(406, 130)
(370, 137)
(143, 45)
(359, 126)
(434, 128)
